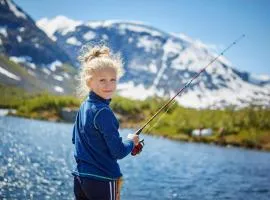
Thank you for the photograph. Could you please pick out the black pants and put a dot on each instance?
(88, 189)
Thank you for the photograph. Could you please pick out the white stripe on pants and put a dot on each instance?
(112, 190)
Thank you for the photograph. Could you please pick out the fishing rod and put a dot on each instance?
(140, 145)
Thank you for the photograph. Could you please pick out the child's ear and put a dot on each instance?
(89, 83)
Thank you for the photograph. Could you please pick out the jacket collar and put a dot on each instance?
(94, 97)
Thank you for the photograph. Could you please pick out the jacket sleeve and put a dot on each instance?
(107, 124)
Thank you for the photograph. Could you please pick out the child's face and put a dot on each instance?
(103, 82)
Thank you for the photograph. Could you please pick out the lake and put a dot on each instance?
(36, 158)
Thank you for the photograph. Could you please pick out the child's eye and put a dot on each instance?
(102, 80)
(113, 80)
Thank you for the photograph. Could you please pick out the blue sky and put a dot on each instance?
(215, 22)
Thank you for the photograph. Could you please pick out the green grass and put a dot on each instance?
(47, 102)
(35, 105)
(12, 97)
(45, 106)
(248, 127)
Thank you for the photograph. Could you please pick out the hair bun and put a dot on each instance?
(97, 52)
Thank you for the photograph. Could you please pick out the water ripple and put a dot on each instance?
(36, 159)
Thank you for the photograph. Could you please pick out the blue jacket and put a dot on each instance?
(98, 145)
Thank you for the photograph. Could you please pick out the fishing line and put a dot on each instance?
(150, 127)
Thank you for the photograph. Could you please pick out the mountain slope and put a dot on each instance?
(41, 63)
(159, 63)
(59, 81)
(20, 37)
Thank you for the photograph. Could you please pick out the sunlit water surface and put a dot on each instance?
(36, 160)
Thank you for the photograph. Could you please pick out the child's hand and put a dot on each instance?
(135, 138)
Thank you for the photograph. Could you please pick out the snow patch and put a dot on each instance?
(148, 43)
(130, 39)
(9, 74)
(58, 78)
(172, 47)
(73, 41)
(31, 65)
(14, 9)
(105, 37)
(137, 66)
(21, 29)
(46, 71)
(21, 59)
(128, 89)
(66, 75)
(140, 29)
(165, 77)
(186, 75)
(89, 35)
(59, 23)
(183, 37)
(195, 42)
(169, 48)
(153, 68)
(109, 23)
(97, 24)
(223, 60)
(94, 24)
(3, 31)
(58, 89)
(55, 64)
(19, 38)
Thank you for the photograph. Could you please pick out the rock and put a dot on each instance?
(68, 114)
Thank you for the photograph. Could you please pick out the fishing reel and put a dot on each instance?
(138, 148)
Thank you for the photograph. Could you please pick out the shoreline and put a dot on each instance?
(218, 141)
(201, 139)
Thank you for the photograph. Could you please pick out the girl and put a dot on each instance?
(98, 145)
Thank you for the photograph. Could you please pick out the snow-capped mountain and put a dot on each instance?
(160, 63)
(20, 37)
(156, 62)
(22, 42)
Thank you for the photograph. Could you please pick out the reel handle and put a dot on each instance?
(138, 148)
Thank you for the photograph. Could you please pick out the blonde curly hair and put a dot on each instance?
(94, 58)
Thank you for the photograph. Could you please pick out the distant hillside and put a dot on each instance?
(60, 81)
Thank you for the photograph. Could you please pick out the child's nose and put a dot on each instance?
(108, 84)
